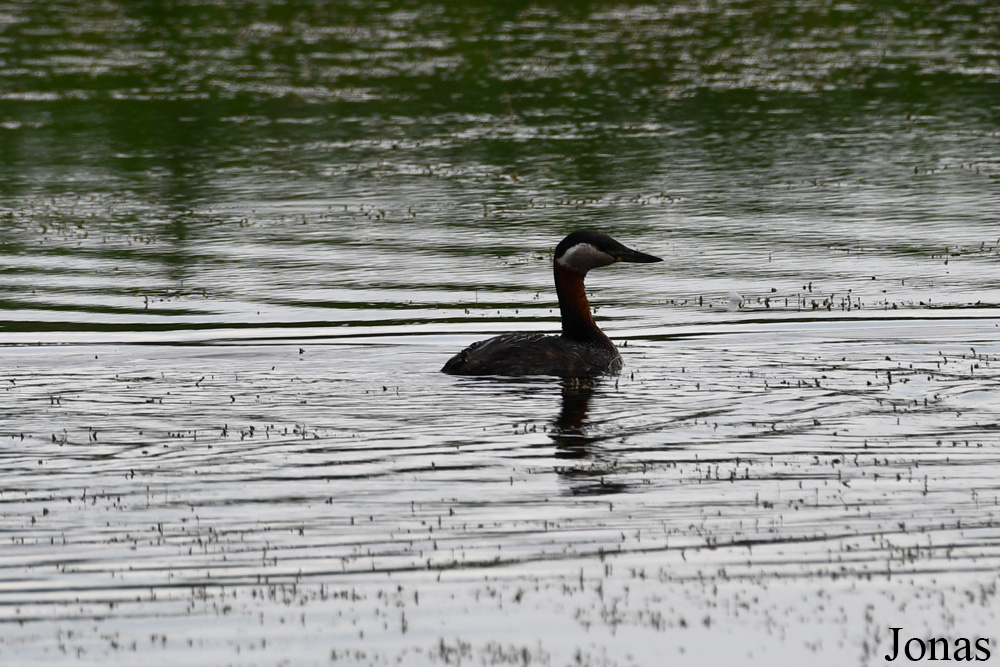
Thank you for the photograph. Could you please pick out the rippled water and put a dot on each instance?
(238, 243)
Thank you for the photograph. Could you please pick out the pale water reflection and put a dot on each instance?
(723, 487)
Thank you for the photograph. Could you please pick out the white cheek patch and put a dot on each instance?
(583, 257)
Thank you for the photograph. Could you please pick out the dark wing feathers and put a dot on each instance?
(532, 354)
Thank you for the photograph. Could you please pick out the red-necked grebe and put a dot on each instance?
(582, 350)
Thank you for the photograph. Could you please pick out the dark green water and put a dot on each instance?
(238, 240)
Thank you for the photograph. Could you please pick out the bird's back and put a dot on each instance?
(535, 354)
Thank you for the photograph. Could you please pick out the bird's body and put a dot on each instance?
(535, 354)
(582, 350)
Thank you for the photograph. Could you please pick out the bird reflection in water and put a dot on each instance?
(590, 475)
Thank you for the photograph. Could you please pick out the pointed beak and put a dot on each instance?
(629, 255)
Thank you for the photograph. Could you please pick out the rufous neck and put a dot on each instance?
(577, 320)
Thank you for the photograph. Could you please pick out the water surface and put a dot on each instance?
(237, 245)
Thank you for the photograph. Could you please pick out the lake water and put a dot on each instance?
(239, 240)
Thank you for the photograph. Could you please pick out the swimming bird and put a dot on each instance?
(582, 350)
